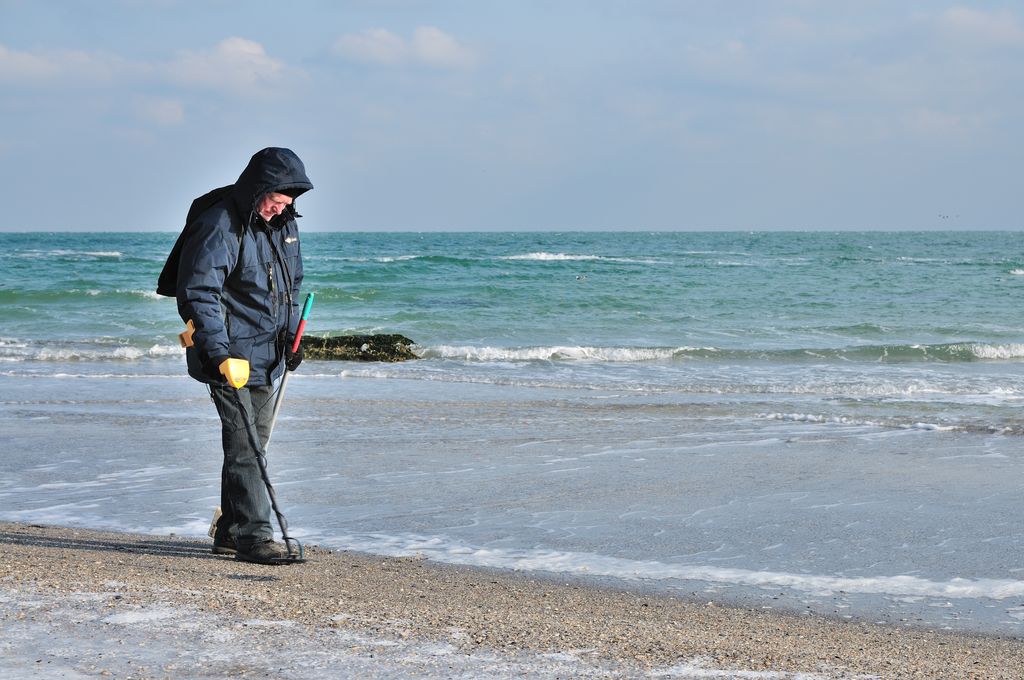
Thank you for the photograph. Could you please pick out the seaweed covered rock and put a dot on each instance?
(381, 347)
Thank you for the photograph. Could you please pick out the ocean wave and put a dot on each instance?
(982, 351)
(849, 420)
(565, 257)
(731, 253)
(554, 353)
(145, 294)
(62, 252)
(113, 348)
(357, 259)
(69, 295)
(85, 351)
(75, 354)
(909, 353)
(445, 549)
(102, 292)
(914, 352)
(903, 399)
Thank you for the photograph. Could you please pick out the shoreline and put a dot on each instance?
(477, 612)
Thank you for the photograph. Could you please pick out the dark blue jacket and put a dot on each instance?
(239, 276)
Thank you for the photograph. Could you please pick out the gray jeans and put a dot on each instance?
(243, 495)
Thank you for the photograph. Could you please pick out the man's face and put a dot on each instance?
(272, 205)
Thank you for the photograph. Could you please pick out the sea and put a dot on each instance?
(823, 423)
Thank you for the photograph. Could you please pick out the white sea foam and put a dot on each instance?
(71, 354)
(101, 253)
(67, 354)
(565, 257)
(445, 550)
(846, 420)
(986, 351)
(634, 354)
(19, 351)
(62, 252)
(814, 418)
(148, 294)
(932, 427)
(357, 259)
(127, 637)
(716, 252)
(143, 615)
(102, 376)
(165, 351)
(701, 669)
(553, 353)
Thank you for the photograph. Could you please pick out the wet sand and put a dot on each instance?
(475, 611)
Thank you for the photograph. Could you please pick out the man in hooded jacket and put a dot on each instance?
(238, 282)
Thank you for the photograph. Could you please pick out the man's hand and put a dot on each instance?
(293, 359)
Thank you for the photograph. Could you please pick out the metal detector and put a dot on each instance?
(296, 554)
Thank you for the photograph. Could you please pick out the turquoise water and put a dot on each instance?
(759, 292)
(895, 323)
(809, 421)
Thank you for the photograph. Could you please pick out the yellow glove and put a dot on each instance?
(236, 371)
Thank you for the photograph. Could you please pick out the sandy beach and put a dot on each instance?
(58, 582)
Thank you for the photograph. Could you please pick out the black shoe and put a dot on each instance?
(266, 552)
(224, 546)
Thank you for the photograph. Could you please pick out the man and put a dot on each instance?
(238, 282)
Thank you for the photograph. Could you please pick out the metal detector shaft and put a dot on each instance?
(261, 455)
(261, 460)
(306, 307)
(277, 406)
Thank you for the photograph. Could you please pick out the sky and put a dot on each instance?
(515, 115)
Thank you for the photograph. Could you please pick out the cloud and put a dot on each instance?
(235, 64)
(375, 46)
(161, 110)
(428, 45)
(943, 126)
(433, 46)
(25, 66)
(990, 28)
(48, 66)
(729, 57)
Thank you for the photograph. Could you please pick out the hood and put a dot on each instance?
(271, 169)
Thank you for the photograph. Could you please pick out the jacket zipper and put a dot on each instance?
(273, 288)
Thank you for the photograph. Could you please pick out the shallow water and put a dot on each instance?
(897, 525)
